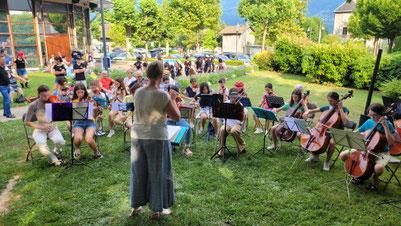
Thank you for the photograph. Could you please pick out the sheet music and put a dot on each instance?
(90, 110)
(48, 109)
(173, 132)
(117, 106)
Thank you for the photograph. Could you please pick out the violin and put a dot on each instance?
(395, 149)
(52, 99)
(282, 130)
(319, 140)
(361, 164)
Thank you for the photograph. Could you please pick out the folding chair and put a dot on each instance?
(351, 125)
(392, 169)
(30, 141)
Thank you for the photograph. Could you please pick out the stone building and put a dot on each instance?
(237, 38)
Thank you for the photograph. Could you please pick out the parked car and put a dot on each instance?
(176, 56)
(225, 58)
(114, 54)
(241, 57)
(118, 50)
(121, 56)
(141, 51)
(155, 52)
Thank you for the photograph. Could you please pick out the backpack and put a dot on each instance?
(20, 99)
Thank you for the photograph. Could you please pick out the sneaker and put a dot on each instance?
(98, 155)
(326, 166)
(10, 116)
(100, 133)
(191, 125)
(111, 133)
(271, 147)
(312, 158)
(77, 153)
(58, 155)
(258, 130)
(57, 163)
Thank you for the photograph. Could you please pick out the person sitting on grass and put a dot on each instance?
(377, 115)
(233, 127)
(296, 97)
(80, 126)
(119, 93)
(269, 92)
(14, 88)
(105, 85)
(45, 130)
(182, 122)
(100, 102)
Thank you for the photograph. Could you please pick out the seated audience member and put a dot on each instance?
(45, 130)
(234, 127)
(182, 122)
(191, 91)
(119, 93)
(139, 78)
(130, 78)
(105, 84)
(100, 100)
(14, 88)
(87, 125)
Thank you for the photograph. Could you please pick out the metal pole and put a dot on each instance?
(320, 29)
(104, 38)
(311, 29)
(236, 42)
(373, 81)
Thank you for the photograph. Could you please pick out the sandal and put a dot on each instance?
(371, 187)
(135, 212)
(77, 153)
(188, 152)
(159, 215)
(356, 181)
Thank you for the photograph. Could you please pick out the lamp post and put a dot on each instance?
(320, 30)
(236, 38)
(104, 37)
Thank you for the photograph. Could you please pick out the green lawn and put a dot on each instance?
(261, 190)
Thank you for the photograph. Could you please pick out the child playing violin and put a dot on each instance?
(239, 85)
(191, 91)
(63, 92)
(333, 98)
(80, 126)
(119, 93)
(205, 112)
(377, 115)
(296, 97)
(269, 92)
(223, 90)
(100, 103)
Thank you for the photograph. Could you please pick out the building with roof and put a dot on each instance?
(237, 38)
(41, 28)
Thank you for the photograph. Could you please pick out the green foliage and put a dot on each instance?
(391, 88)
(117, 34)
(149, 26)
(96, 30)
(354, 28)
(379, 18)
(288, 54)
(210, 39)
(331, 39)
(397, 44)
(269, 15)
(312, 25)
(264, 60)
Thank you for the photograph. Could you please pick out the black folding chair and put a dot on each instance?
(30, 141)
(392, 167)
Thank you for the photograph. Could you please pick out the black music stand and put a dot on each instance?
(69, 112)
(267, 115)
(226, 111)
(297, 125)
(246, 102)
(274, 102)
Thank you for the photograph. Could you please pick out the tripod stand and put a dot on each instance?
(70, 112)
(226, 111)
(267, 115)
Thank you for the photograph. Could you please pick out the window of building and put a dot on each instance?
(29, 51)
(21, 40)
(345, 30)
(4, 28)
(21, 16)
(54, 7)
(5, 40)
(3, 15)
(25, 5)
(3, 5)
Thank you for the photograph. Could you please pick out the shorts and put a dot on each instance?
(14, 87)
(21, 71)
(84, 124)
(383, 157)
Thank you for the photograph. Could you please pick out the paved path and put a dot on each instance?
(17, 111)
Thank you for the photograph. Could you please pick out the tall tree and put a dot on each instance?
(311, 27)
(270, 13)
(124, 13)
(149, 22)
(192, 16)
(379, 18)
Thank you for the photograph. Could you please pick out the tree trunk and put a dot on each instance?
(146, 49)
(128, 33)
(375, 46)
(264, 36)
(167, 49)
(390, 45)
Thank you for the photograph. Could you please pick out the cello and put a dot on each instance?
(282, 130)
(395, 149)
(360, 164)
(319, 140)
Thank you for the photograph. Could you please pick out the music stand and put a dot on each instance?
(274, 102)
(297, 125)
(246, 102)
(68, 112)
(129, 106)
(226, 111)
(267, 115)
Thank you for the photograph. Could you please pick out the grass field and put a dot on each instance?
(256, 190)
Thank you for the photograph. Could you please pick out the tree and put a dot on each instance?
(95, 28)
(311, 27)
(149, 22)
(189, 17)
(117, 34)
(270, 13)
(124, 13)
(379, 18)
(210, 39)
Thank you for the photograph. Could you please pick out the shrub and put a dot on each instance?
(264, 60)
(288, 55)
(324, 63)
(331, 39)
(391, 88)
